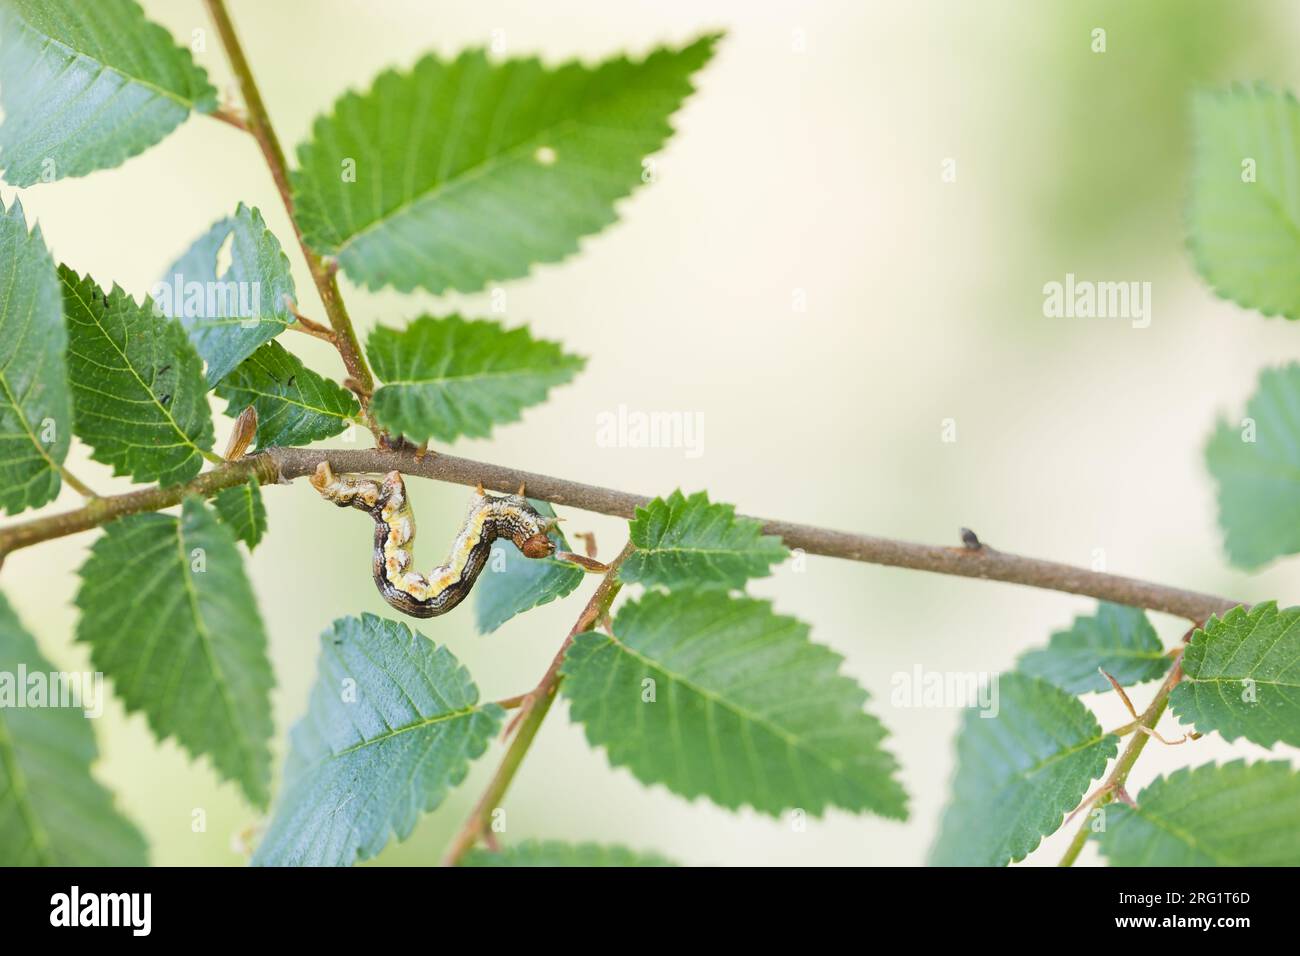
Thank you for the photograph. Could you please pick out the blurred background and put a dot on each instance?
(802, 275)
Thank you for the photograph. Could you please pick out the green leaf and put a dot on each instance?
(137, 384)
(688, 542)
(745, 709)
(35, 408)
(295, 406)
(512, 583)
(52, 811)
(447, 378)
(1019, 773)
(86, 86)
(1241, 676)
(241, 509)
(1239, 814)
(1245, 235)
(1257, 468)
(228, 316)
(1118, 639)
(554, 853)
(170, 617)
(392, 725)
(462, 172)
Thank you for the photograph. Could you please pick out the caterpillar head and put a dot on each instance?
(532, 538)
(537, 546)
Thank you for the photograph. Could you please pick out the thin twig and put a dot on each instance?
(230, 117)
(305, 324)
(984, 563)
(100, 511)
(987, 563)
(1113, 787)
(259, 124)
(325, 335)
(532, 712)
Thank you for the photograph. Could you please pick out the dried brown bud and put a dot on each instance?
(242, 436)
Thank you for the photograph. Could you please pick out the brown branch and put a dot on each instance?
(103, 510)
(528, 721)
(983, 562)
(259, 124)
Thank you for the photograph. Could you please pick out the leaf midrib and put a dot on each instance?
(244, 746)
(297, 403)
(461, 179)
(521, 372)
(486, 166)
(18, 784)
(22, 420)
(130, 366)
(19, 411)
(1187, 679)
(1180, 834)
(790, 739)
(137, 80)
(392, 732)
(735, 552)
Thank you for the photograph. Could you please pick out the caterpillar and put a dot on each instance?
(428, 595)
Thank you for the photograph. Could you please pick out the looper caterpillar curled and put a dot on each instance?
(490, 517)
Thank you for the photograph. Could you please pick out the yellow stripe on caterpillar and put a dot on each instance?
(427, 595)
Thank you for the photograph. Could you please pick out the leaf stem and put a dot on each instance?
(1125, 729)
(76, 483)
(532, 711)
(259, 124)
(230, 117)
(1119, 775)
(983, 563)
(325, 335)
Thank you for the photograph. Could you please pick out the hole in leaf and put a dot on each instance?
(225, 257)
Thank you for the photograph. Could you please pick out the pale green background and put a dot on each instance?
(818, 171)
